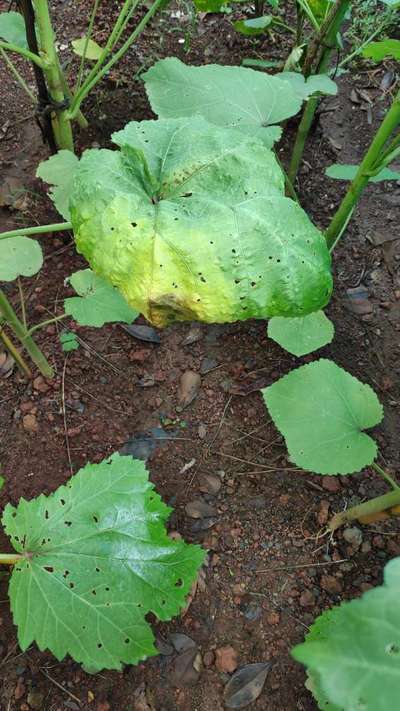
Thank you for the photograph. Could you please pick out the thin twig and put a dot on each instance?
(65, 414)
(60, 686)
(228, 402)
(301, 565)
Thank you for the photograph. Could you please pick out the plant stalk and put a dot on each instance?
(385, 475)
(10, 558)
(7, 311)
(14, 353)
(373, 506)
(369, 163)
(328, 40)
(60, 120)
(90, 83)
(9, 47)
(41, 229)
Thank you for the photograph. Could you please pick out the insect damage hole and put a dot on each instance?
(48, 568)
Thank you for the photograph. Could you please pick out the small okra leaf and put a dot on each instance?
(19, 256)
(348, 172)
(380, 50)
(69, 341)
(12, 29)
(353, 651)
(59, 171)
(314, 84)
(301, 335)
(98, 301)
(241, 98)
(93, 50)
(253, 26)
(321, 411)
(96, 561)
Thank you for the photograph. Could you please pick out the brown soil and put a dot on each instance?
(268, 576)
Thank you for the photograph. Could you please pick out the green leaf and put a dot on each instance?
(97, 560)
(98, 302)
(2, 481)
(348, 172)
(301, 335)
(69, 341)
(59, 171)
(261, 63)
(321, 411)
(217, 242)
(391, 3)
(292, 63)
(93, 50)
(12, 29)
(354, 649)
(19, 256)
(209, 5)
(319, 8)
(315, 84)
(313, 684)
(255, 26)
(385, 48)
(227, 96)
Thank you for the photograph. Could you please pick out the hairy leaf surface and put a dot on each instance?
(354, 649)
(97, 560)
(59, 171)
(321, 411)
(227, 96)
(301, 335)
(190, 221)
(19, 256)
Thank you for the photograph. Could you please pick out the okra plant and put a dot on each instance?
(29, 33)
(95, 559)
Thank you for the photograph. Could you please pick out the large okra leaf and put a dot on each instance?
(190, 222)
(354, 650)
(321, 411)
(227, 96)
(96, 560)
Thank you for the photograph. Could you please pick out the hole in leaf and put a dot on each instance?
(99, 644)
(68, 523)
(49, 568)
(72, 585)
(94, 592)
(97, 570)
(392, 648)
(95, 519)
(107, 589)
(83, 627)
(66, 573)
(46, 514)
(14, 514)
(134, 224)
(187, 195)
(62, 502)
(179, 583)
(127, 640)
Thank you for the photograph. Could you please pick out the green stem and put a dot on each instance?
(309, 13)
(329, 40)
(51, 69)
(41, 229)
(385, 475)
(368, 164)
(288, 184)
(21, 81)
(85, 46)
(373, 506)
(88, 85)
(10, 558)
(359, 49)
(14, 353)
(9, 47)
(42, 324)
(22, 302)
(17, 327)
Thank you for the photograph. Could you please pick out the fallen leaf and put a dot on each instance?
(6, 365)
(141, 700)
(195, 334)
(198, 584)
(245, 685)
(186, 668)
(143, 444)
(199, 509)
(143, 333)
(189, 386)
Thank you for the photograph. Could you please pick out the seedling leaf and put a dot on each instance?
(385, 48)
(19, 256)
(12, 29)
(97, 560)
(321, 411)
(59, 171)
(301, 335)
(69, 341)
(216, 242)
(348, 172)
(93, 50)
(354, 649)
(227, 96)
(98, 301)
(254, 26)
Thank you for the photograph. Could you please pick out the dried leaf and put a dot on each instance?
(186, 668)
(182, 642)
(189, 387)
(195, 334)
(245, 685)
(200, 509)
(209, 484)
(142, 333)
(6, 365)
